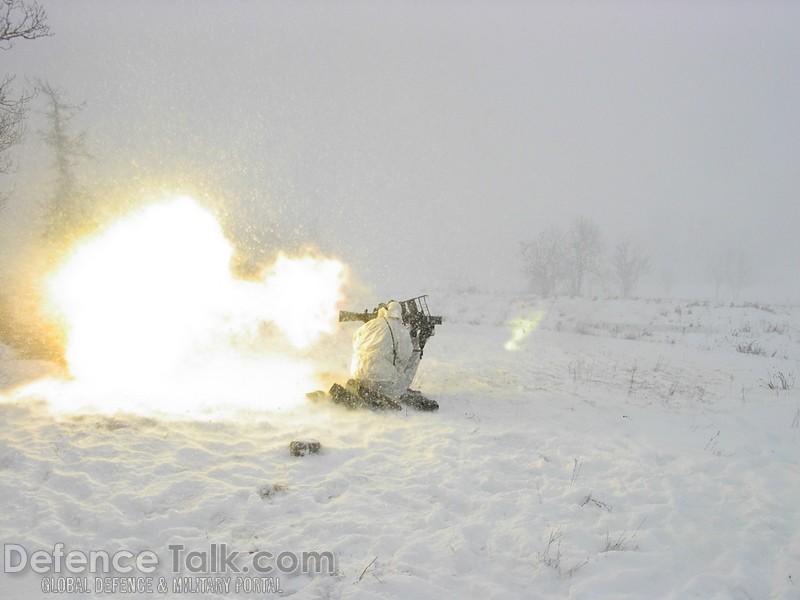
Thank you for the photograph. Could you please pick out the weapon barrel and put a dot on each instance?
(346, 315)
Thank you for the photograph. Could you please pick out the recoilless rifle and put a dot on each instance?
(415, 314)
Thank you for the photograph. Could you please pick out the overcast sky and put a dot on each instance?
(423, 141)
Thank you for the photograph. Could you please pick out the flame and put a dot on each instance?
(154, 317)
(303, 296)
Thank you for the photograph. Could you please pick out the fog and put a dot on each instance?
(422, 142)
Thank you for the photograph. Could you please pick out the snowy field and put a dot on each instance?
(583, 449)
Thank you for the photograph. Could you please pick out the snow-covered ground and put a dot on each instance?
(583, 449)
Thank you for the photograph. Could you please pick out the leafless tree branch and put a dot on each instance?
(19, 20)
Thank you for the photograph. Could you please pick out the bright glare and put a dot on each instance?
(134, 300)
(303, 294)
(155, 319)
(521, 328)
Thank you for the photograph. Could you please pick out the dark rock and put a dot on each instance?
(303, 447)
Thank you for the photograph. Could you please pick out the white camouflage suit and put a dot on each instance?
(385, 358)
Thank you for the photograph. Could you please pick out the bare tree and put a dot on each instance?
(584, 249)
(667, 281)
(18, 20)
(543, 261)
(629, 265)
(739, 272)
(718, 274)
(68, 148)
(733, 271)
(12, 120)
(730, 269)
